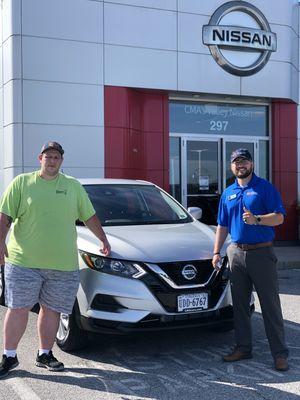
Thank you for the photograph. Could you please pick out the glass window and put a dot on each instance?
(202, 167)
(264, 159)
(175, 168)
(221, 119)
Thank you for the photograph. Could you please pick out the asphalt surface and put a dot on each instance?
(164, 365)
(288, 256)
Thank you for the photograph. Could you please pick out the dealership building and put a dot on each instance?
(159, 90)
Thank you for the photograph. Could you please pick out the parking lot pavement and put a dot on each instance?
(165, 365)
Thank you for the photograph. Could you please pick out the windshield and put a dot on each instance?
(134, 205)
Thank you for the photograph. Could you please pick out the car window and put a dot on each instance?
(134, 205)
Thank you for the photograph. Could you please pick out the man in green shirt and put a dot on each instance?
(41, 263)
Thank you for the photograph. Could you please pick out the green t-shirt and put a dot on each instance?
(44, 214)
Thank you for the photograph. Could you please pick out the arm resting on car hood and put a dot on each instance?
(94, 226)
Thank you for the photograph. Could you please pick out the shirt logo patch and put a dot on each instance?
(63, 191)
(251, 193)
(231, 197)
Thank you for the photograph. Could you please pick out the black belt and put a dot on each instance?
(254, 246)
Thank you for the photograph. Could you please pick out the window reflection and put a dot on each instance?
(214, 118)
(175, 168)
(202, 167)
(264, 159)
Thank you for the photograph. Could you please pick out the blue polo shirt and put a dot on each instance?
(260, 197)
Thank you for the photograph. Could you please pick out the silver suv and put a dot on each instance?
(159, 274)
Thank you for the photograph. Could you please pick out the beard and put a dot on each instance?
(245, 174)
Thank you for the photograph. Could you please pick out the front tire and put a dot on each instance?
(69, 336)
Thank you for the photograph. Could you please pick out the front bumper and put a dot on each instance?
(211, 319)
(112, 303)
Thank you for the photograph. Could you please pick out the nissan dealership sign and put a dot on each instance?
(239, 38)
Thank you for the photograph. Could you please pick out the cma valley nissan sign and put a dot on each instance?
(239, 38)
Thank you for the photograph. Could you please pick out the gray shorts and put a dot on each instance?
(24, 287)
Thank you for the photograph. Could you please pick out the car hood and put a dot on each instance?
(153, 243)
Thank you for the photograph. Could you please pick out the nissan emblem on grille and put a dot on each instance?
(189, 272)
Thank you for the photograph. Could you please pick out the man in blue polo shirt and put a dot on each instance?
(248, 210)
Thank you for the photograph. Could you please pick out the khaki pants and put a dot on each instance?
(256, 268)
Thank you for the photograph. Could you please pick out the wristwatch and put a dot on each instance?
(258, 219)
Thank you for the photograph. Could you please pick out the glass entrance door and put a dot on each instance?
(203, 176)
(200, 169)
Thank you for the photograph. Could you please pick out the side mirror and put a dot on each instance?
(196, 212)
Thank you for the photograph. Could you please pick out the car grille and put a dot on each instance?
(174, 271)
(167, 296)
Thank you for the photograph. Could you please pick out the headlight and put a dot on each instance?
(111, 266)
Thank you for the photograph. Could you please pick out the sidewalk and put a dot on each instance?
(288, 256)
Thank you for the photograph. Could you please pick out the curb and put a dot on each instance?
(288, 264)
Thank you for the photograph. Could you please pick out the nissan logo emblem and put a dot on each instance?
(189, 272)
(256, 39)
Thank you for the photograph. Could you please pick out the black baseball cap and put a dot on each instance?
(240, 153)
(52, 146)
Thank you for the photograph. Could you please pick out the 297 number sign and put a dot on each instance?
(218, 126)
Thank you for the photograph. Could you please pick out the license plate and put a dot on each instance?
(192, 302)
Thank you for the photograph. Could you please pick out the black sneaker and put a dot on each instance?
(49, 361)
(7, 364)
